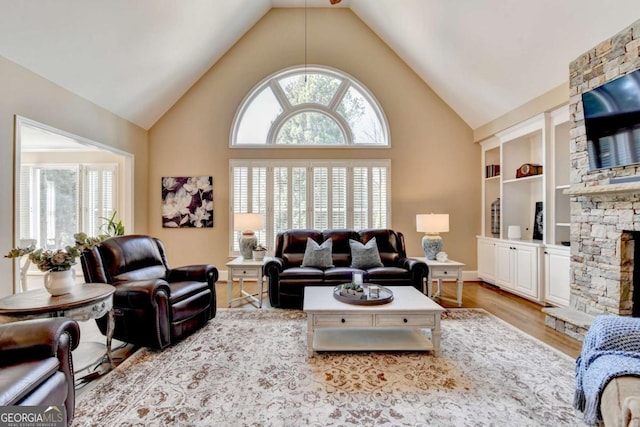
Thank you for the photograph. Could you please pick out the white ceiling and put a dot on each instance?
(137, 58)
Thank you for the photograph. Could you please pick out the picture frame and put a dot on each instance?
(187, 202)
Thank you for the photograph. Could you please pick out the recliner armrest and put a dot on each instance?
(410, 264)
(135, 293)
(196, 272)
(274, 263)
(35, 339)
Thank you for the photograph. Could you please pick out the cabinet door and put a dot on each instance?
(487, 260)
(526, 271)
(504, 265)
(557, 283)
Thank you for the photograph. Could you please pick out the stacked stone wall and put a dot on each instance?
(601, 247)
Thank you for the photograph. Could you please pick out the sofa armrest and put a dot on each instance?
(272, 269)
(35, 339)
(419, 271)
(197, 272)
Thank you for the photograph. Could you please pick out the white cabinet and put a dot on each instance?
(487, 259)
(517, 268)
(557, 283)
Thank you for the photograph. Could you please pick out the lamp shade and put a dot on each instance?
(432, 223)
(248, 221)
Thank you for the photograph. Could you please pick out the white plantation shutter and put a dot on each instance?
(310, 194)
(320, 198)
(360, 198)
(98, 196)
(27, 225)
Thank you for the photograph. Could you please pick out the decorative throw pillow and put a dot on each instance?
(318, 256)
(365, 256)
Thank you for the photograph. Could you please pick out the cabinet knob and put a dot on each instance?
(445, 272)
(343, 320)
(405, 320)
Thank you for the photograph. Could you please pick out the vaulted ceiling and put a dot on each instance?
(137, 58)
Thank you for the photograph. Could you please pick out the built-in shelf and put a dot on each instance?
(627, 187)
(563, 224)
(562, 187)
(525, 179)
(491, 178)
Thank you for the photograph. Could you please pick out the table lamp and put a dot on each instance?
(431, 225)
(247, 223)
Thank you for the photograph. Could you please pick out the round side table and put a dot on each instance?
(85, 302)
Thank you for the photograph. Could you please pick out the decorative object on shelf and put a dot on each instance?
(431, 225)
(538, 222)
(442, 257)
(514, 232)
(361, 295)
(187, 202)
(259, 252)
(495, 217)
(59, 282)
(56, 261)
(247, 224)
(492, 171)
(528, 169)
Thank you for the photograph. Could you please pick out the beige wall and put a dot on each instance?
(546, 102)
(435, 164)
(28, 95)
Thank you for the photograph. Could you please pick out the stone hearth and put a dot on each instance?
(603, 214)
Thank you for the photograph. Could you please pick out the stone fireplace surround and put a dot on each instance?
(603, 214)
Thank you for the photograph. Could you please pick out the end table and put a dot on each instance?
(241, 269)
(443, 270)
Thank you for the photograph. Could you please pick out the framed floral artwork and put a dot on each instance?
(187, 202)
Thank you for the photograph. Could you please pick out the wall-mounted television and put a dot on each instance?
(612, 120)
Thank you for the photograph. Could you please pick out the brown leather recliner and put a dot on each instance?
(154, 305)
(36, 367)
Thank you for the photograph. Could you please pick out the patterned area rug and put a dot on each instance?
(250, 368)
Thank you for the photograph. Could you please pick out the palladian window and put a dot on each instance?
(310, 106)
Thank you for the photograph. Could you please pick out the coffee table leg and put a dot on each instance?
(111, 324)
(435, 340)
(310, 335)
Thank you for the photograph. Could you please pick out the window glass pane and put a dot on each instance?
(362, 118)
(310, 128)
(309, 88)
(57, 208)
(257, 119)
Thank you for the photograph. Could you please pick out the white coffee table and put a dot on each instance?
(333, 325)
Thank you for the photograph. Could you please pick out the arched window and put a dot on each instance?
(310, 106)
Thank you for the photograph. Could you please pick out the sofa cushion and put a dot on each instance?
(341, 274)
(318, 256)
(382, 275)
(364, 256)
(301, 274)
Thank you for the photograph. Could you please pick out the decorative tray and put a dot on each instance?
(363, 297)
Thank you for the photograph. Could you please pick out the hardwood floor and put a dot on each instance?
(523, 314)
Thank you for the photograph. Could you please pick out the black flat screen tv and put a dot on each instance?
(612, 121)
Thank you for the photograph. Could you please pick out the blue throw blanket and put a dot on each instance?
(610, 349)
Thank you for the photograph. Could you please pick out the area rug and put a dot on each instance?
(251, 368)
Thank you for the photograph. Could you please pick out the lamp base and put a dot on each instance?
(247, 243)
(431, 245)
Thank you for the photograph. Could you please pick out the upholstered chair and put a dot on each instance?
(36, 367)
(154, 305)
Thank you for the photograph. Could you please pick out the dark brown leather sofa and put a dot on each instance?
(287, 278)
(154, 305)
(35, 363)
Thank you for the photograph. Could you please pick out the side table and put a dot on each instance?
(440, 271)
(241, 269)
(84, 302)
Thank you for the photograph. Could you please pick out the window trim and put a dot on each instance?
(289, 110)
(270, 164)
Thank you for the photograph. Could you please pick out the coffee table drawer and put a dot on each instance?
(345, 320)
(405, 320)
